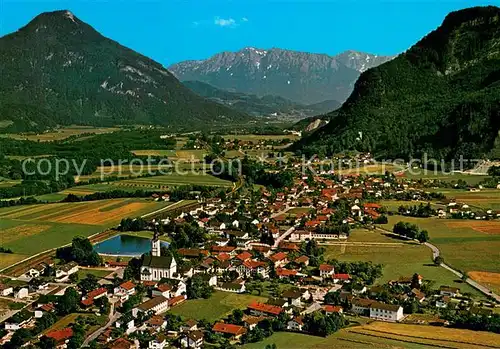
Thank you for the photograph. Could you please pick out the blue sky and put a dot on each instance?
(170, 31)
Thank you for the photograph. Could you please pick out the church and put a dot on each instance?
(155, 266)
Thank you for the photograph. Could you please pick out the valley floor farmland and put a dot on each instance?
(399, 258)
(466, 245)
(28, 230)
(384, 335)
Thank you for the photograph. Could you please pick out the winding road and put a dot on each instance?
(435, 253)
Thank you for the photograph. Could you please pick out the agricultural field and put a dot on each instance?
(399, 258)
(62, 133)
(393, 205)
(214, 308)
(384, 335)
(446, 177)
(429, 335)
(254, 137)
(340, 340)
(30, 229)
(467, 245)
(484, 199)
(491, 280)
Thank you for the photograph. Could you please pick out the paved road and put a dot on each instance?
(436, 253)
(482, 288)
(113, 316)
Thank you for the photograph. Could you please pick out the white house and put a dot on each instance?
(193, 339)
(386, 312)
(21, 293)
(159, 342)
(156, 305)
(5, 290)
(295, 324)
(326, 270)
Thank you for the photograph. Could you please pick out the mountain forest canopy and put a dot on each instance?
(58, 70)
(441, 97)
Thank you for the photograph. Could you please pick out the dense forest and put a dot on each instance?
(441, 97)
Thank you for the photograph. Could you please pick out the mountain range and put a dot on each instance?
(260, 106)
(441, 97)
(58, 70)
(305, 78)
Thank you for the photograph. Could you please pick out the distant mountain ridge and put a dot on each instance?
(305, 78)
(59, 70)
(440, 98)
(260, 106)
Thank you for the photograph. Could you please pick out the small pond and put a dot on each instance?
(125, 245)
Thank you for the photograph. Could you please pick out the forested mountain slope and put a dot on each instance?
(59, 70)
(441, 97)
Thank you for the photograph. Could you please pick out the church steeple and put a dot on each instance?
(155, 244)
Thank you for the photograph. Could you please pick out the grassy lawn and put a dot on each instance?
(145, 234)
(214, 308)
(82, 273)
(462, 246)
(398, 257)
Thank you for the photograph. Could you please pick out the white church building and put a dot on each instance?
(155, 266)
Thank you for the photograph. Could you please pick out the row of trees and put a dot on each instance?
(411, 231)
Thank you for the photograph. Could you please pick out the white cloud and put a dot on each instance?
(222, 22)
(244, 19)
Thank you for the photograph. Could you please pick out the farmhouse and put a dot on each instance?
(234, 331)
(261, 309)
(386, 312)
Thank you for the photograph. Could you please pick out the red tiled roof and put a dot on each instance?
(244, 255)
(373, 206)
(176, 300)
(98, 292)
(226, 249)
(326, 267)
(302, 259)
(288, 246)
(47, 307)
(312, 223)
(251, 264)
(285, 272)
(164, 287)
(278, 256)
(234, 330)
(127, 285)
(87, 302)
(342, 276)
(332, 308)
(61, 335)
(265, 308)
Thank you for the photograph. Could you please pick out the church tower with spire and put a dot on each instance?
(156, 245)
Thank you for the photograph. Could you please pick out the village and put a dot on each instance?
(252, 242)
